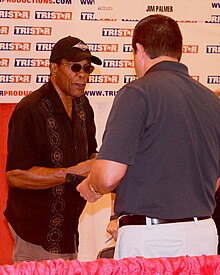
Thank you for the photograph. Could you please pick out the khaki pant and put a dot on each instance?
(25, 251)
(167, 240)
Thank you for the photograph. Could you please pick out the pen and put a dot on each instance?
(108, 240)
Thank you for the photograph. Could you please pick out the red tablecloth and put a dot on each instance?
(179, 265)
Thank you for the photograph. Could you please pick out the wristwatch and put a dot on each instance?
(73, 179)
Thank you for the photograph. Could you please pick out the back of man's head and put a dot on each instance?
(159, 35)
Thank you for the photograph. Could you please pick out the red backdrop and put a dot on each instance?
(6, 241)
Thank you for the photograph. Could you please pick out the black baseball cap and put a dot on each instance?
(72, 49)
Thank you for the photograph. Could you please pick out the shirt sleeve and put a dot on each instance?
(124, 126)
(21, 141)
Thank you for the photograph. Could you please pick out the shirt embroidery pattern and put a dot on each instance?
(81, 114)
(54, 235)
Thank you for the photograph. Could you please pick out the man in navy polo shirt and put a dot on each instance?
(161, 151)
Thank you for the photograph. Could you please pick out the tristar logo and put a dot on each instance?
(127, 48)
(15, 46)
(129, 78)
(215, 19)
(53, 15)
(190, 48)
(14, 93)
(159, 9)
(117, 32)
(4, 29)
(15, 14)
(87, 2)
(44, 47)
(118, 63)
(31, 62)
(29, 30)
(15, 78)
(110, 79)
(90, 16)
(213, 79)
(95, 47)
(42, 78)
(4, 62)
(213, 49)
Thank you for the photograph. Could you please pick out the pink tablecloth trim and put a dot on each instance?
(207, 265)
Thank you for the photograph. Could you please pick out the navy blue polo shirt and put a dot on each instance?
(165, 127)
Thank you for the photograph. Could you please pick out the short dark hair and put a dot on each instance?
(159, 35)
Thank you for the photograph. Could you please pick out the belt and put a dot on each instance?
(141, 220)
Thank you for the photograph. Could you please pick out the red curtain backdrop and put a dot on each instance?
(6, 241)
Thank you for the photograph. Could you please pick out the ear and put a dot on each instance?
(140, 60)
(53, 68)
(140, 51)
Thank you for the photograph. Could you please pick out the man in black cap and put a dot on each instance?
(51, 147)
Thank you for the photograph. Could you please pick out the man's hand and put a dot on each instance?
(83, 168)
(112, 228)
(87, 192)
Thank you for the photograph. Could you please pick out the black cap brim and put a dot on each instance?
(84, 55)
